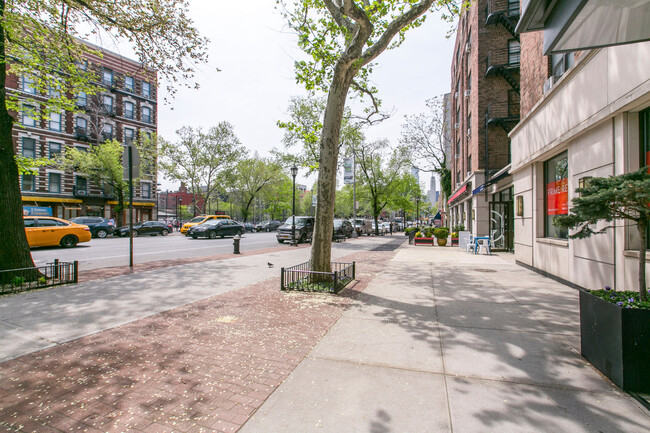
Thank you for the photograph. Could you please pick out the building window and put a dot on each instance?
(129, 84)
(55, 149)
(129, 135)
(513, 52)
(145, 190)
(645, 154)
(28, 120)
(108, 104)
(80, 184)
(81, 127)
(82, 148)
(146, 114)
(107, 77)
(556, 199)
(513, 104)
(561, 63)
(513, 7)
(29, 147)
(469, 124)
(54, 182)
(54, 91)
(29, 182)
(129, 110)
(146, 89)
(28, 85)
(107, 131)
(82, 99)
(55, 122)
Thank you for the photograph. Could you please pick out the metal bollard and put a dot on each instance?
(235, 244)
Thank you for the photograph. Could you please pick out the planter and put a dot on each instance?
(423, 241)
(454, 242)
(442, 241)
(616, 341)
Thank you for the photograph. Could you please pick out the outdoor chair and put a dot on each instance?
(470, 245)
(483, 243)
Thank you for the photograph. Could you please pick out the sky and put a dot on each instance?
(254, 50)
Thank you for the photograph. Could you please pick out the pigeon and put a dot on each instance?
(270, 264)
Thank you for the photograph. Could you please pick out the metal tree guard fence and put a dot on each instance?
(302, 278)
(38, 277)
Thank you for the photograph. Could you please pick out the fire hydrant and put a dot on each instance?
(235, 244)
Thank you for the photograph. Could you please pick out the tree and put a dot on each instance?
(625, 196)
(40, 38)
(250, 177)
(406, 190)
(277, 196)
(380, 168)
(202, 160)
(425, 135)
(342, 38)
(304, 128)
(103, 165)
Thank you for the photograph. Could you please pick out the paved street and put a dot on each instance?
(114, 251)
(427, 339)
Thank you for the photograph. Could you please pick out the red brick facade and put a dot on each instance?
(536, 69)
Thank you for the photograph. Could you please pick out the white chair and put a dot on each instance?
(484, 243)
(470, 245)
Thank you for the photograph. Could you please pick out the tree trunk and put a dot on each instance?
(321, 252)
(643, 295)
(15, 252)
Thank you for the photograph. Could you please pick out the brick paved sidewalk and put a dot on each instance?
(203, 367)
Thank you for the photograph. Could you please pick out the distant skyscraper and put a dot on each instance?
(416, 173)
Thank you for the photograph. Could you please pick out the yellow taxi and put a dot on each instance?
(199, 220)
(45, 231)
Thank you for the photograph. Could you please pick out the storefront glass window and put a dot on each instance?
(645, 152)
(556, 199)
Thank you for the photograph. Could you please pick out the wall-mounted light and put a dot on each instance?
(520, 205)
(473, 214)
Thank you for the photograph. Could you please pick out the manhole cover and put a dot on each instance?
(484, 270)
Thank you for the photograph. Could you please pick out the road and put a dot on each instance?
(112, 251)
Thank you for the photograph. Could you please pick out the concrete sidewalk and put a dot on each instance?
(446, 341)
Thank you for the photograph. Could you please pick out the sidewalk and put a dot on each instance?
(427, 340)
(446, 341)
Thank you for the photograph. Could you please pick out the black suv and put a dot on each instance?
(304, 229)
(268, 226)
(99, 227)
(342, 229)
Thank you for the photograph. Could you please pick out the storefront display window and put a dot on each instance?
(556, 198)
(645, 151)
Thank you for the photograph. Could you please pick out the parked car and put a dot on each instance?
(151, 228)
(385, 226)
(304, 229)
(200, 220)
(382, 229)
(343, 228)
(248, 226)
(49, 231)
(99, 227)
(268, 226)
(216, 228)
(362, 226)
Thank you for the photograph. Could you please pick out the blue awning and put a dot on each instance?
(490, 182)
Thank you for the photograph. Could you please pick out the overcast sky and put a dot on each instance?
(251, 45)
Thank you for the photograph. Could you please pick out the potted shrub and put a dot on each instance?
(441, 234)
(424, 237)
(615, 325)
(410, 232)
(454, 233)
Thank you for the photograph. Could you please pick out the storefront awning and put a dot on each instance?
(135, 203)
(458, 193)
(494, 180)
(50, 199)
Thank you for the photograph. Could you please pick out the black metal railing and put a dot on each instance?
(302, 278)
(507, 7)
(38, 277)
(502, 57)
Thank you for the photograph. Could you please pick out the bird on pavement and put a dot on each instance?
(270, 264)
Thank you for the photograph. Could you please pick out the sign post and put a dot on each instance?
(131, 161)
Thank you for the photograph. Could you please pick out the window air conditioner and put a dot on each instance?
(81, 192)
(467, 93)
(456, 95)
(469, 173)
(456, 125)
(548, 85)
(468, 47)
(469, 131)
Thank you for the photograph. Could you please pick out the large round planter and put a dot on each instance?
(441, 241)
(616, 341)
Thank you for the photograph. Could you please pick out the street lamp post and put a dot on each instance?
(179, 201)
(294, 173)
(417, 211)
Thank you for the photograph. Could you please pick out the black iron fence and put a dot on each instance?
(302, 278)
(37, 277)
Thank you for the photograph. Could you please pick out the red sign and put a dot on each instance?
(557, 197)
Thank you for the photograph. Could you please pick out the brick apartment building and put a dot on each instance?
(125, 110)
(485, 106)
(585, 112)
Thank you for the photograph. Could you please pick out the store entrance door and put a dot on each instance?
(501, 225)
